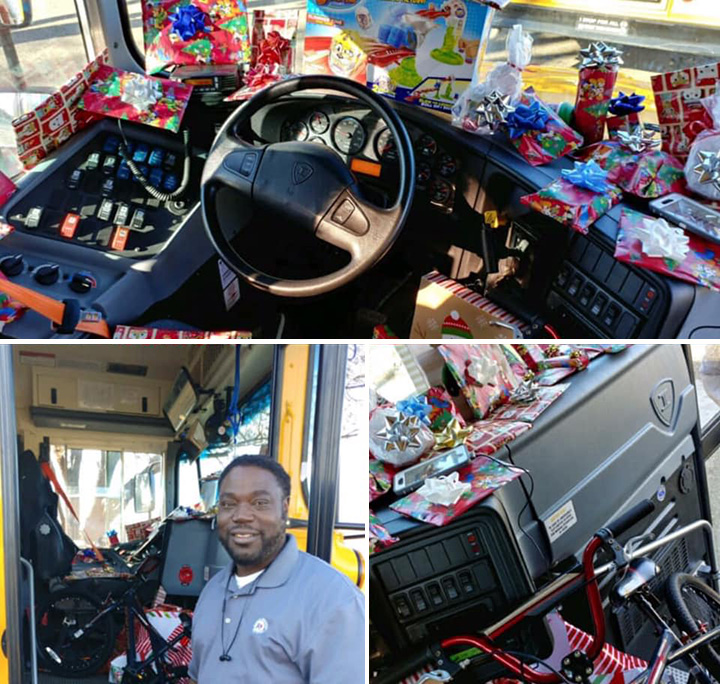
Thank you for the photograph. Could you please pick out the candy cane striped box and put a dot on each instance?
(445, 309)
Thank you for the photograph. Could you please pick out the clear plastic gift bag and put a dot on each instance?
(702, 170)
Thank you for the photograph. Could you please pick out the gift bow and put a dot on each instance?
(493, 110)
(483, 370)
(416, 406)
(445, 490)
(659, 239)
(187, 21)
(599, 56)
(140, 92)
(641, 140)
(273, 49)
(401, 432)
(589, 176)
(452, 435)
(527, 118)
(626, 104)
(708, 170)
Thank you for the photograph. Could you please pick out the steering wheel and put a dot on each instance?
(307, 186)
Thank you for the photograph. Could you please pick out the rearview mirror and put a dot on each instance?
(144, 492)
(15, 13)
(182, 400)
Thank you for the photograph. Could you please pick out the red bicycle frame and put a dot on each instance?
(539, 605)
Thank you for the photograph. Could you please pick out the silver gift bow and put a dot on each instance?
(493, 109)
(140, 92)
(401, 432)
(599, 55)
(642, 140)
(708, 170)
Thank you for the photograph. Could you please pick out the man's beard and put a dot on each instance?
(269, 548)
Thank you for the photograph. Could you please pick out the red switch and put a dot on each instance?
(69, 226)
(119, 238)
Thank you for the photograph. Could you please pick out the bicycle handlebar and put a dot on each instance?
(629, 518)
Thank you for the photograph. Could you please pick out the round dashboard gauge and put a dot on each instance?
(294, 130)
(440, 191)
(319, 122)
(385, 147)
(423, 173)
(349, 135)
(318, 140)
(447, 166)
(426, 146)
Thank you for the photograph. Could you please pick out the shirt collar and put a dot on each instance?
(275, 575)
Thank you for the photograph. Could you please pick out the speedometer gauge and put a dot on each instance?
(349, 135)
(294, 130)
(385, 146)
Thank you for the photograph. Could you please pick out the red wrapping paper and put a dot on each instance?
(381, 477)
(484, 476)
(678, 98)
(595, 89)
(531, 411)
(575, 207)
(443, 409)
(53, 122)
(701, 266)
(489, 436)
(555, 141)
(648, 175)
(481, 398)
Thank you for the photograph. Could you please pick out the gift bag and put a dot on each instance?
(702, 170)
(599, 68)
(53, 122)
(381, 478)
(482, 373)
(652, 243)
(380, 538)
(577, 199)
(483, 475)
(681, 114)
(166, 620)
(182, 32)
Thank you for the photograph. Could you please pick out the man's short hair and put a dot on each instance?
(264, 462)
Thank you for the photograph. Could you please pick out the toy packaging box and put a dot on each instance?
(418, 52)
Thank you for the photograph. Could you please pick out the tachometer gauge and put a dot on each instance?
(349, 135)
(447, 166)
(385, 147)
(319, 122)
(318, 140)
(426, 146)
(440, 191)
(423, 173)
(294, 130)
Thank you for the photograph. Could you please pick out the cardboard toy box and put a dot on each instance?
(445, 309)
(418, 52)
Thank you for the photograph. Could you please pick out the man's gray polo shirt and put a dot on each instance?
(301, 622)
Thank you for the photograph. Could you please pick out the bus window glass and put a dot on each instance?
(706, 362)
(188, 484)
(36, 60)
(103, 488)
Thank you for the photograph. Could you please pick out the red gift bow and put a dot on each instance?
(273, 49)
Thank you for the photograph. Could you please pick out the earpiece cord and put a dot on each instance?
(151, 190)
(225, 657)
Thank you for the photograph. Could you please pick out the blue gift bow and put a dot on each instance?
(627, 104)
(415, 406)
(527, 118)
(589, 176)
(187, 21)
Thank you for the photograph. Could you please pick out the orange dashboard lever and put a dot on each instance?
(92, 323)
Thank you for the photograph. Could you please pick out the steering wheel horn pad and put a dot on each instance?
(306, 185)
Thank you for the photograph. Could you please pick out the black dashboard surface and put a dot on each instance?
(572, 282)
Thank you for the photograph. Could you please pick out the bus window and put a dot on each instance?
(188, 484)
(36, 60)
(108, 490)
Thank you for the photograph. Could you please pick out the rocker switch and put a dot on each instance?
(343, 212)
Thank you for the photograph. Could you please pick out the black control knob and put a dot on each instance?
(47, 274)
(12, 265)
(82, 282)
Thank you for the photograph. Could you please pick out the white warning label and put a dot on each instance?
(560, 521)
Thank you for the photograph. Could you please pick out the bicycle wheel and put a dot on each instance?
(696, 609)
(61, 649)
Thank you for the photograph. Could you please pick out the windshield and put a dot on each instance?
(36, 61)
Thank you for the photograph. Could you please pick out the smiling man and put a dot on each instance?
(275, 614)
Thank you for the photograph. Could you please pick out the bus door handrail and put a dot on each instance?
(33, 641)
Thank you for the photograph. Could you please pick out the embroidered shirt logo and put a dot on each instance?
(260, 626)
